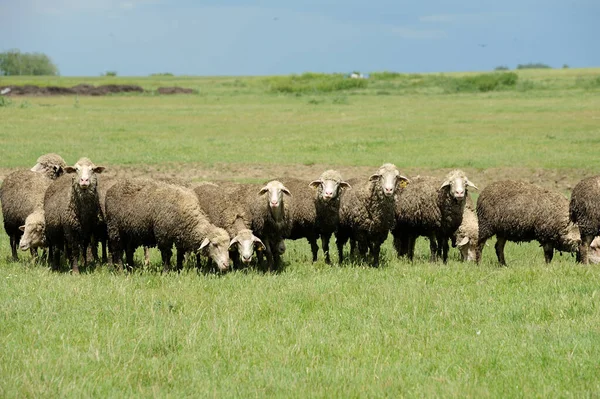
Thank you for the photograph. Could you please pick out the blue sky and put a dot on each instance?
(233, 37)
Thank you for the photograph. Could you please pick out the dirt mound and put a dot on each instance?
(87, 90)
(175, 90)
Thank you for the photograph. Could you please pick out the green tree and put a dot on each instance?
(13, 62)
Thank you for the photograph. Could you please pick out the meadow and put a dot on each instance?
(314, 330)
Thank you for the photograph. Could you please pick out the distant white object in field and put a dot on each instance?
(5, 91)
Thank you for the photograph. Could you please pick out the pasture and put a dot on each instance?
(314, 330)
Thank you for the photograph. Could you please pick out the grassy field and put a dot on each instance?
(405, 329)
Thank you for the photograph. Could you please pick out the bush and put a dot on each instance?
(13, 63)
(314, 83)
(110, 73)
(501, 68)
(161, 74)
(536, 65)
(482, 83)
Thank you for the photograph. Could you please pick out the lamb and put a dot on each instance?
(315, 209)
(519, 211)
(225, 212)
(584, 209)
(431, 208)
(594, 253)
(367, 212)
(71, 208)
(34, 231)
(22, 193)
(154, 213)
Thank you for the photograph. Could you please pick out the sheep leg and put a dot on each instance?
(433, 249)
(325, 244)
(340, 241)
(13, 247)
(314, 248)
(398, 244)
(584, 247)
(34, 254)
(129, 250)
(445, 249)
(104, 252)
(180, 253)
(166, 253)
(548, 252)
(55, 256)
(375, 251)
(500, 242)
(73, 256)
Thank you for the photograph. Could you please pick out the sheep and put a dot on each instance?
(154, 213)
(594, 253)
(315, 209)
(269, 216)
(51, 165)
(466, 236)
(520, 211)
(71, 207)
(431, 208)
(367, 211)
(584, 209)
(22, 193)
(34, 231)
(223, 211)
(101, 232)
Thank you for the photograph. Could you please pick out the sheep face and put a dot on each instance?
(33, 232)
(216, 247)
(274, 191)
(245, 242)
(328, 186)
(457, 184)
(569, 240)
(388, 177)
(85, 172)
(467, 248)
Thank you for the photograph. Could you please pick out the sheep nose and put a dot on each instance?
(328, 194)
(246, 259)
(274, 203)
(460, 193)
(84, 182)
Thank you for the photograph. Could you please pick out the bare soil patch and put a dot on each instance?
(87, 90)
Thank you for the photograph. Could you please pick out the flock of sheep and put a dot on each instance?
(71, 210)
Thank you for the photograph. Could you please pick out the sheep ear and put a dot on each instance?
(37, 168)
(446, 183)
(463, 242)
(99, 169)
(470, 184)
(263, 190)
(286, 191)
(70, 169)
(233, 241)
(315, 183)
(374, 177)
(58, 170)
(22, 228)
(205, 243)
(404, 178)
(259, 243)
(345, 186)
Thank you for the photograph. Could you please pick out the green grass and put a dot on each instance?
(405, 329)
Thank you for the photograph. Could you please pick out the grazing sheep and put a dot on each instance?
(225, 212)
(466, 236)
(71, 207)
(269, 216)
(584, 209)
(315, 209)
(519, 211)
(594, 253)
(22, 193)
(432, 208)
(154, 213)
(51, 165)
(34, 232)
(367, 212)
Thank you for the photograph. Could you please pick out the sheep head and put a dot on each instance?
(329, 184)
(274, 191)
(569, 239)
(34, 231)
(86, 174)
(216, 246)
(457, 183)
(467, 247)
(245, 242)
(388, 177)
(52, 165)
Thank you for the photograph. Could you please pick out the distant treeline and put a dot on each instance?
(15, 63)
